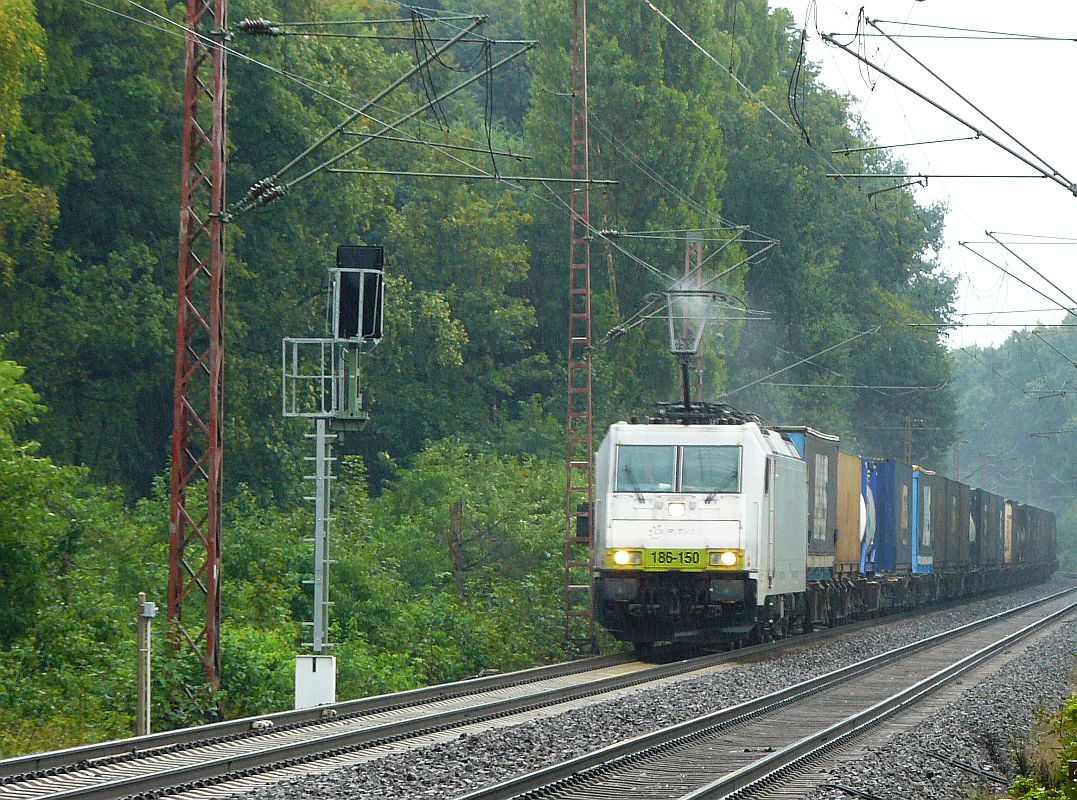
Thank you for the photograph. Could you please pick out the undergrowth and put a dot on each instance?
(1043, 761)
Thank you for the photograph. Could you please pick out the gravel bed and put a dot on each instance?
(982, 729)
(453, 768)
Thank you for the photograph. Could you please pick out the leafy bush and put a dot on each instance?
(1044, 761)
(257, 669)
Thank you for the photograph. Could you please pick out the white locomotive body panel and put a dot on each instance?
(692, 523)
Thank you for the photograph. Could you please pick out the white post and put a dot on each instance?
(321, 539)
(146, 612)
(315, 675)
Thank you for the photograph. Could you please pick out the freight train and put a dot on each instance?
(714, 528)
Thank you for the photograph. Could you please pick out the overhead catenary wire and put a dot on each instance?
(721, 66)
(988, 325)
(839, 373)
(183, 31)
(794, 88)
(639, 164)
(922, 176)
(357, 113)
(1047, 172)
(998, 266)
(763, 104)
(464, 175)
(1026, 244)
(252, 201)
(903, 401)
(842, 386)
(446, 145)
(1037, 236)
(966, 37)
(1006, 311)
(1030, 36)
(1007, 248)
(398, 20)
(969, 103)
(210, 42)
(844, 151)
(386, 126)
(247, 203)
(1042, 339)
(378, 36)
(843, 342)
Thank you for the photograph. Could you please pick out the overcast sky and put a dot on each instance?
(1026, 86)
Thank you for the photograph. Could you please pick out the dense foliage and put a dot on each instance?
(467, 385)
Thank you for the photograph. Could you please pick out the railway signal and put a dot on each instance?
(321, 382)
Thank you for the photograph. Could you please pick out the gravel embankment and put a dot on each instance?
(980, 729)
(453, 768)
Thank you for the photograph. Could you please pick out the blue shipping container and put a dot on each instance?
(890, 483)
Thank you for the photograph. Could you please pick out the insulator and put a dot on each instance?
(256, 189)
(270, 193)
(259, 27)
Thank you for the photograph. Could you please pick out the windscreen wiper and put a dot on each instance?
(717, 489)
(635, 484)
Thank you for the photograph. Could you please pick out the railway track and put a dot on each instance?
(771, 746)
(212, 760)
(245, 752)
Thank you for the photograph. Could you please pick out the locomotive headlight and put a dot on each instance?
(624, 558)
(724, 558)
(677, 509)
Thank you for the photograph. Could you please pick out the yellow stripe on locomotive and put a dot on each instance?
(666, 558)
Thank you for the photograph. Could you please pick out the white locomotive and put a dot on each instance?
(699, 529)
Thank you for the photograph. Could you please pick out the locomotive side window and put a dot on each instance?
(713, 469)
(645, 468)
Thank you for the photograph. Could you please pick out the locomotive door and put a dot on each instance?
(765, 522)
(787, 516)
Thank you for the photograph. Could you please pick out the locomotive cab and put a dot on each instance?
(699, 530)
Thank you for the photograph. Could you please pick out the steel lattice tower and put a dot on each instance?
(194, 553)
(579, 452)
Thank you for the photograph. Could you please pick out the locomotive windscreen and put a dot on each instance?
(714, 469)
(710, 469)
(646, 468)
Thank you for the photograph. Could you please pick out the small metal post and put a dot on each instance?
(146, 612)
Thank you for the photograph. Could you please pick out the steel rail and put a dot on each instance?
(223, 768)
(293, 753)
(158, 743)
(763, 772)
(565, 774)
(57, 761)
